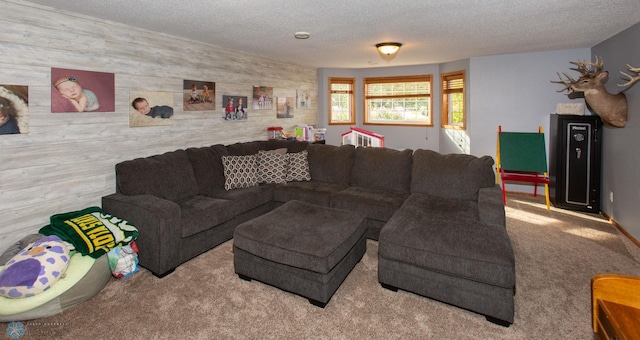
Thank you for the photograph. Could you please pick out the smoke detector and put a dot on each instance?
(302, 35)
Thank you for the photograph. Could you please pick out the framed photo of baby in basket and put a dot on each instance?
(14, 109)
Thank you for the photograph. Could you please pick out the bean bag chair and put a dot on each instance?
(83, 278)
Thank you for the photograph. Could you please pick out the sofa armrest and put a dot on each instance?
(158, 223)
(491, 206)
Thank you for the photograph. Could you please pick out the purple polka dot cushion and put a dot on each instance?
(35, 268)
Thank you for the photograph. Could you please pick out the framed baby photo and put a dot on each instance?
(148, 108)
(198, 95)
(262, 97)
(235, 107)
(82, 91)
(14, 109)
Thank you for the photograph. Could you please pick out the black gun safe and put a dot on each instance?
(575, 144)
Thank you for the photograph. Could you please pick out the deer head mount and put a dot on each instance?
(612, 108)
(632, 79)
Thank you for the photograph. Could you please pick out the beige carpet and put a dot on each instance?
(556, 252)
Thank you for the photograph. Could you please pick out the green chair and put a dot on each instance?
(522, 157)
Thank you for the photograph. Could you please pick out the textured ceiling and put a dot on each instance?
(343, 33)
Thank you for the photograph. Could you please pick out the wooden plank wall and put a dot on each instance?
(66, 160)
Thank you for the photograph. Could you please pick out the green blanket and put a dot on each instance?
(91, 231)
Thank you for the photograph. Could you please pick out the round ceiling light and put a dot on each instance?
(302, 35)
(388, 48)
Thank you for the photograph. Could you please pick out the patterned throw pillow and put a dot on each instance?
(239, 171)
(272, 167)
(298, 168)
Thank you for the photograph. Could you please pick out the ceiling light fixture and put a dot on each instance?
(388, 48)
(302, 35)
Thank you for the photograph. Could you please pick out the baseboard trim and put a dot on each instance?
(622, 230)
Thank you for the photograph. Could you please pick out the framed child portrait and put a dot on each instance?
(14, 109)
(284, 107)
(82, 91)
(303, 99)
(150, 108)
(235, 107)
(199, 95)
(262, 97)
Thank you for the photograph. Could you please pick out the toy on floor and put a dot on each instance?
(35, 268)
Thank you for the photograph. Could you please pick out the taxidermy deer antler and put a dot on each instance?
(632, 79)
(612, 108)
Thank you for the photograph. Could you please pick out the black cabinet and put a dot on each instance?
(575, 144)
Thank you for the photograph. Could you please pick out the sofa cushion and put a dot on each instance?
(200, 213)
(240, 171)
(445, 235)
(452, 176)
(298, 166)
(314, 192)
(377, 204)
(382, 168)
(246, 199)
(330, 163)
(280, 151)
(207, 167)
(246, 148)
(168, 176)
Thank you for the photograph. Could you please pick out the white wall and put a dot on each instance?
(620, 151)
(515, 91)
(66, 161)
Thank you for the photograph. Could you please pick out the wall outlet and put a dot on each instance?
(611, 196)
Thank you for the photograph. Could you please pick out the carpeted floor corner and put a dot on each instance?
(557, 252)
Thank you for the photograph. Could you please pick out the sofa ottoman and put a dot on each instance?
(301, 248)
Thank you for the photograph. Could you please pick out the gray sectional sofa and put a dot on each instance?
(439, 219)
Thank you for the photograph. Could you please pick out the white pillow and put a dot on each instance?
(272, 167)
(298, 166)
(239, 171)
(35, 268)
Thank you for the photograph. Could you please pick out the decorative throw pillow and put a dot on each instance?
(239, 171)
(298, 166)
(272, 167)
(35, 268)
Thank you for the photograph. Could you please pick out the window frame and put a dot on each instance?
(398, 79)
(444, 105)
(351, 98)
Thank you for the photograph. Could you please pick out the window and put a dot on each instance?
(398, 101)
(341, 98)
(453, 115)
